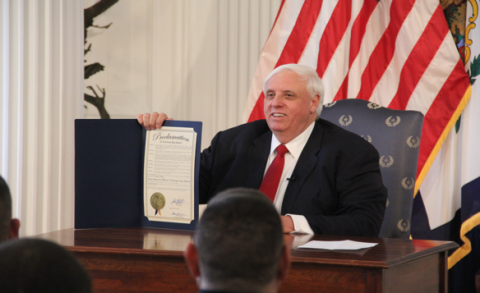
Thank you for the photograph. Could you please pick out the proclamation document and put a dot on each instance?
(169, 174)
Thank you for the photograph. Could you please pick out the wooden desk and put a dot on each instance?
(151, 260)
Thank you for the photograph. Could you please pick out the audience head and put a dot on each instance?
(36, 265)
(306, 73)
(238, 244)
(8, 227)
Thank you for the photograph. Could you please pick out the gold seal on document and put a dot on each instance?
(157, 200)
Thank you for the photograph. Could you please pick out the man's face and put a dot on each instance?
(287, 106)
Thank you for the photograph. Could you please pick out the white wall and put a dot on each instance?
(41, 94)
(192, 59)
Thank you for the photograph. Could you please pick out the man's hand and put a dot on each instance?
(287, 224)
(152, 121)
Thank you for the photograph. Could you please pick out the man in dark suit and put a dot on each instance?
(331, 182)
(238, 245)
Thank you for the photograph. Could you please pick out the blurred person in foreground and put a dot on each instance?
(38, 266)
(8, 227)
(238, 245)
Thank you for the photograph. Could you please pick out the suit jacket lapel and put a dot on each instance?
(305, 165)
(257, 160)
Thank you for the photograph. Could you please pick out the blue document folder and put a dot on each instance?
(109, 166)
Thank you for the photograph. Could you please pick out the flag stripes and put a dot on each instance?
(420, 57)
(333, 34)
(397, 53)
(382, 55)
(300, 33)
(357, 33)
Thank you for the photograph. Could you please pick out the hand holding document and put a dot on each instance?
(338, 245)
(169, 174)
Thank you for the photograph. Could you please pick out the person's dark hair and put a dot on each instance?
(36, 265)
(239, 239)
(5, 209)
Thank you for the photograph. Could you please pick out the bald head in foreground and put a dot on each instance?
(40, 266)
(238, 244)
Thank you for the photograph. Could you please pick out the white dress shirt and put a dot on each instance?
(295, 148)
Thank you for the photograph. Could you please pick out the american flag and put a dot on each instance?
(396, 53)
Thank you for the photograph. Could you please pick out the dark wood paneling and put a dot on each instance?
(137, 273)
(151, 260)
(418, 276)
(305, 277)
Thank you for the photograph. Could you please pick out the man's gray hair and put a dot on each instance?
(5, 210)
(239, 240)
(306, 73)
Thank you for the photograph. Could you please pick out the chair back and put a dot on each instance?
(396, 136)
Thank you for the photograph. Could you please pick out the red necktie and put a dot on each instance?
(274, 173)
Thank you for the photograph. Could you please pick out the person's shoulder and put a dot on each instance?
(336, 134)
(251, 128)
(242, 134)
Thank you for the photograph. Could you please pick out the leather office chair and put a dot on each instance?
(396, 136)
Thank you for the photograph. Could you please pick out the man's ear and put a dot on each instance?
(14, 227)
(284, 266)
(191, 257)
(315, 103)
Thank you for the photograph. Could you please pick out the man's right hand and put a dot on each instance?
(153, 120)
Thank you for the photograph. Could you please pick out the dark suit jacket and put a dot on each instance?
(337, 183)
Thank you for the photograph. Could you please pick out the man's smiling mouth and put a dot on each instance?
(278, 115)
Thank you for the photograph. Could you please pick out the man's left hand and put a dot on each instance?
(287, 224)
